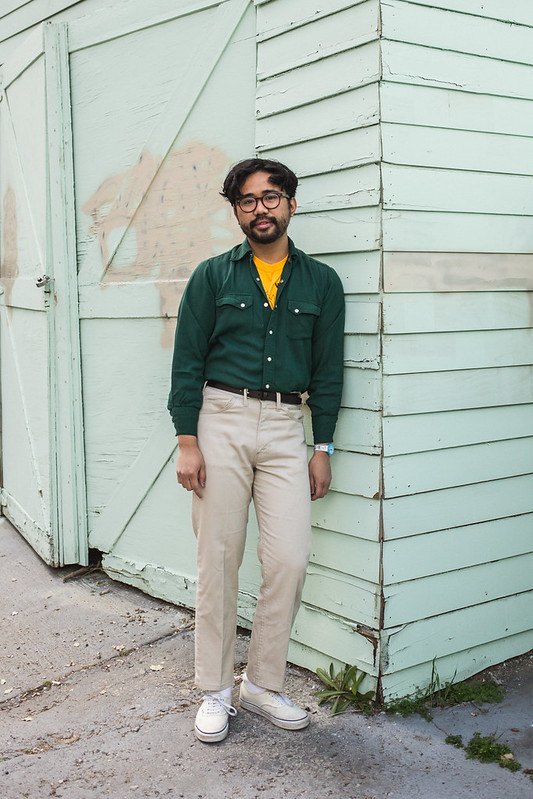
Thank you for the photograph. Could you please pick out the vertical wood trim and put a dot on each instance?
(66, 413)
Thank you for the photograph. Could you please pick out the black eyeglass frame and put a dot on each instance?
(278, 194)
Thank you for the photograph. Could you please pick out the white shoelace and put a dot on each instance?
(215, 702)
(281, 698)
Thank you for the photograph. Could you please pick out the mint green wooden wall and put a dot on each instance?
(410, 128)
(456, 107)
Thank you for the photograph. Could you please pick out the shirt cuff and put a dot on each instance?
(323, 429)
(185, 421)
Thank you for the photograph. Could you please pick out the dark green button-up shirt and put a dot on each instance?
(226, 331)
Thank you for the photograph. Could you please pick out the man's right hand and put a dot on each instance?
(190, 467)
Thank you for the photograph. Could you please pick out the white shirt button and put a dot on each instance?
(296, 310)
(269, 358)
(265, 304)
(270, 331)
(243, 305)
(267, 385)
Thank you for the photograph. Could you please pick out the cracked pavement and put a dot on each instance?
(97, 699)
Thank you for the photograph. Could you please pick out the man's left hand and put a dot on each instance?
(319, 474)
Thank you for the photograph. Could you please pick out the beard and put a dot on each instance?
(279, 226)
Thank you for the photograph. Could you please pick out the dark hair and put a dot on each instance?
(280, 176)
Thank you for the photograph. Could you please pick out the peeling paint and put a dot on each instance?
(180, 221)
(9, 269)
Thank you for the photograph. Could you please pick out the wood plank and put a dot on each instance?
(325, 36)
(425, 189)
(455, 507)
(358, 431)
(444, 29)
(273, 18)
(362, 389)
(433, 431)
(457, 271)
(410, 63)
(120, 20)
(132, 300)
(345, 596)
(444, 551)
(456, 232)
(344, 230)
(356, 473)
(457, 149)
(65, 352)
(520, 11)
(22, 292)
(329, 153)
(464, 465)
(441, 593)
(433, 313)
(348, 111)
(346, 188)
(457, 631)
(363, 315)
(335, 75)
(447, 391)
(347, 554)
(362, 351)
(23, 57)
(309, 658)
(457, 666)
(137, 481)
(360, 272)
(449, 108)
(342, 513)
(436, 352)
(338, 637)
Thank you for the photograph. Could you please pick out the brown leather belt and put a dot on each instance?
(291, 399)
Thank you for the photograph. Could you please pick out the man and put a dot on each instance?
(257, 327)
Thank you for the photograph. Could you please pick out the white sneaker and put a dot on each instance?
(212, 719)
(275, 707)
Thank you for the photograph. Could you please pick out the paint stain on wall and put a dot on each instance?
(158, 229)
(9, 267)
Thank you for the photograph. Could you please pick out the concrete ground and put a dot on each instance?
(98, 699)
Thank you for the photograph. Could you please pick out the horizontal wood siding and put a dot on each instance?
(457, 345)
(317, 110)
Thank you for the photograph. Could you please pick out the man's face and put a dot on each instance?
(264, 225)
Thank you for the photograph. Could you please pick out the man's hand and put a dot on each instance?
(190, 467)
(319, 474)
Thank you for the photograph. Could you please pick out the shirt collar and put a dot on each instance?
(242, 250)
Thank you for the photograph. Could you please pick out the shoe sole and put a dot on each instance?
(285, 724)
(211, 737)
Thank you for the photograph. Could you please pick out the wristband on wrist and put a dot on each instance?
(329, 448)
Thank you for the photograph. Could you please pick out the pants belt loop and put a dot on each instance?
(245, 402)
(278, 400)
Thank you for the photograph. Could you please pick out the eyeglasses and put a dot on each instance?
(270, 201)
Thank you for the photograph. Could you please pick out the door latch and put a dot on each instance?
(42, 281)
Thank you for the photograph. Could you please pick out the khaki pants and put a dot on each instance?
(252, 449)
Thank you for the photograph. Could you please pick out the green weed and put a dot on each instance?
(487, 750)
(343, 689)
(439, 694)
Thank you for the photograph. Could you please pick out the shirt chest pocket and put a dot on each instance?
(301, 318)
(235, 309)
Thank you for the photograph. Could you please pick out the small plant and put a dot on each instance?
(343, 689)
(455, 740)
(487, 750)
(438, 694)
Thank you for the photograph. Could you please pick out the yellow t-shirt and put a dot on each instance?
(270, 275)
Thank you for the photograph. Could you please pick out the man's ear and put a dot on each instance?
(235, 212)
(293, 205)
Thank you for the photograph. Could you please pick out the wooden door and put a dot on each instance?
(160, 111)
(42, 453)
